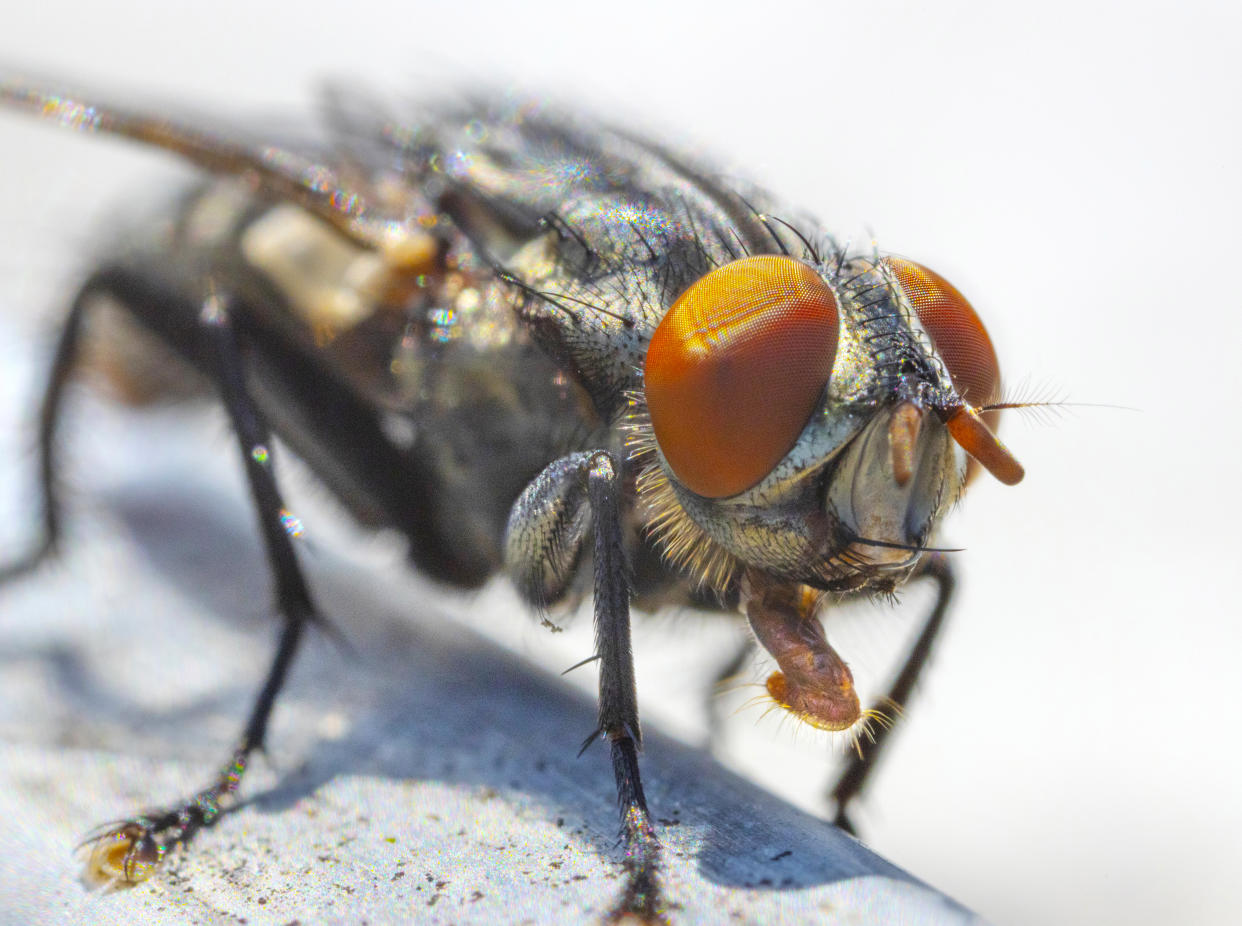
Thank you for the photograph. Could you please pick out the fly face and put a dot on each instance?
(813, 421)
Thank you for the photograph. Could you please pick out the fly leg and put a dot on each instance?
(49, 418)
(131, 850)
(546, 530)
(618, 701)
(854, 778)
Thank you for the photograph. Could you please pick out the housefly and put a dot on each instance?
(532, 343)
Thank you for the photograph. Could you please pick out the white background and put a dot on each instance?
(1073, 168)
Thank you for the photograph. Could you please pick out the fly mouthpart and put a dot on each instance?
(814, 683)
(831, 706)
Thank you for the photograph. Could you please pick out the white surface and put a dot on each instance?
(1073, 168)
(430, 777)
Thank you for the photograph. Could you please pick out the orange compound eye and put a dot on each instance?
(736, 368)
(955, 329)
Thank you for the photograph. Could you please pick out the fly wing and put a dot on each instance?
(323, 228)
(277, 171)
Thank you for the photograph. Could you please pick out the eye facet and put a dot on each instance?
(955, 329)
(736, 368)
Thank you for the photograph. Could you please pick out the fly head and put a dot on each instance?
(813, 422)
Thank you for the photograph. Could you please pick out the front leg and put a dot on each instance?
(547, 530)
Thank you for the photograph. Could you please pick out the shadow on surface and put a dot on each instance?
(428, 699)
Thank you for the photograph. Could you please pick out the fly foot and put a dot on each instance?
(842, 821)
(128, 853)
(131, 851)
